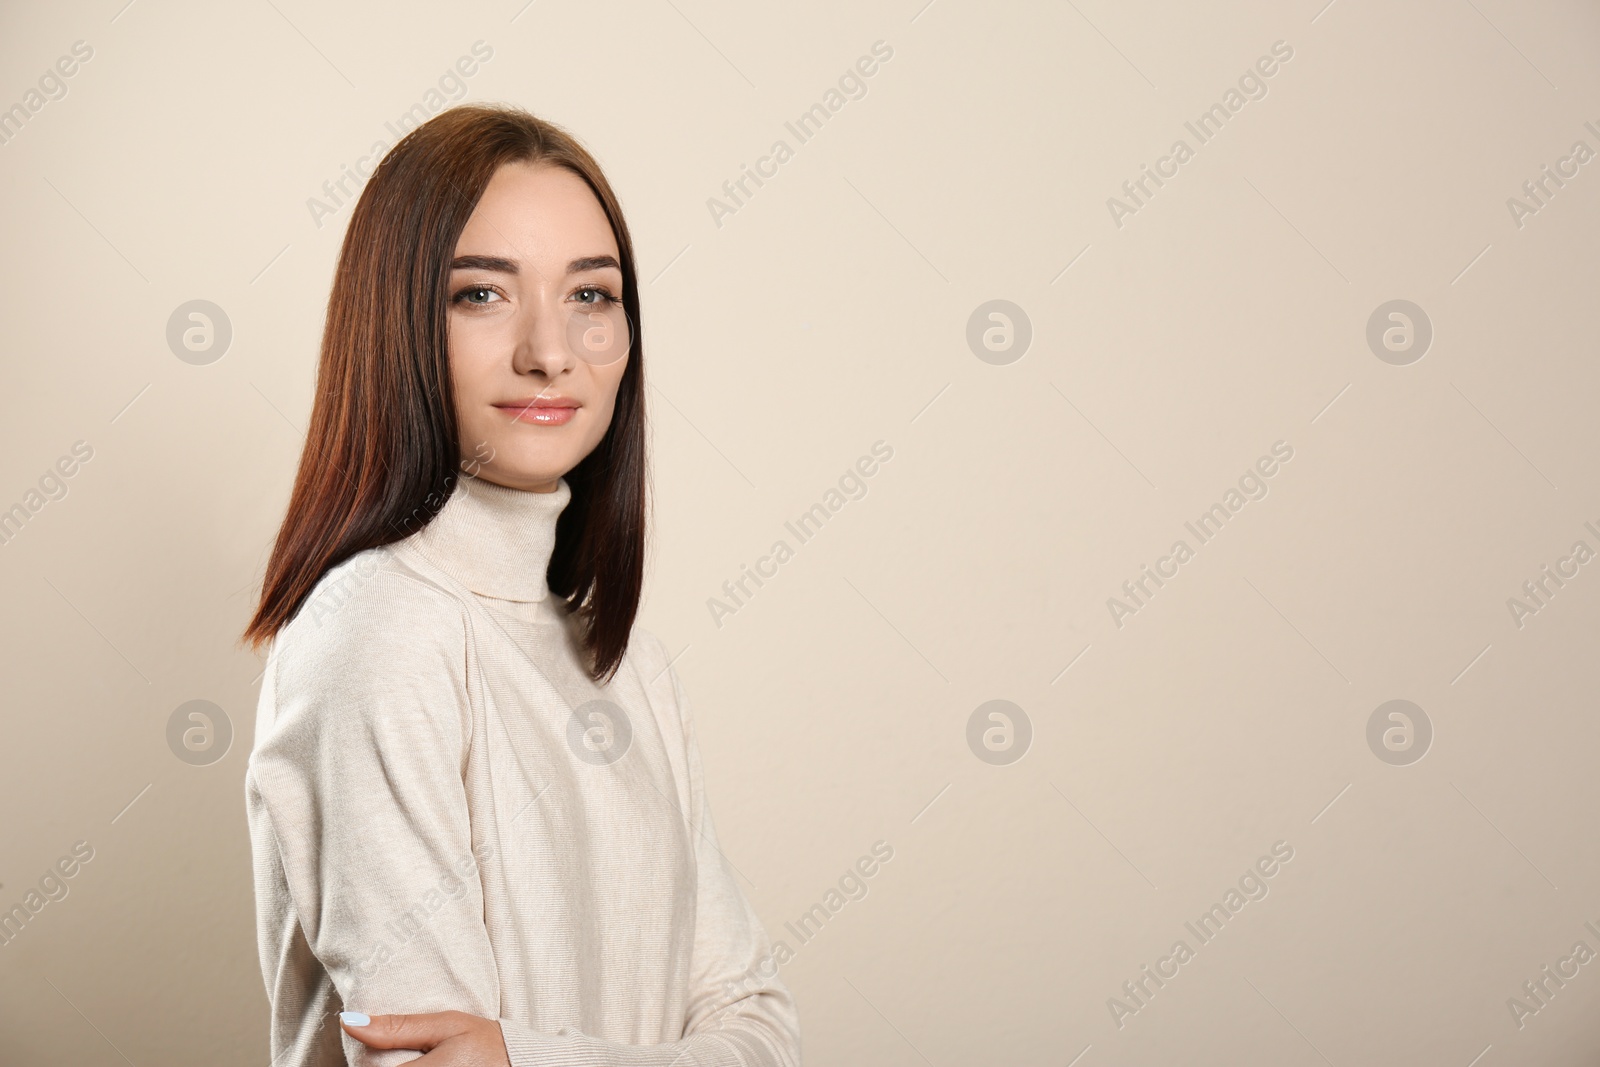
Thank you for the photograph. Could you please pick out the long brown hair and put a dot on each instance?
(383, 445)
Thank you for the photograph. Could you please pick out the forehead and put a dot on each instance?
(540, 213)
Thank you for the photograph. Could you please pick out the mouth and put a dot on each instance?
(541, 410)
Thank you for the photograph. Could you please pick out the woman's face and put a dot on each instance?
(536, 271)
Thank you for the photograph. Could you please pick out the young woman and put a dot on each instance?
(475, 797)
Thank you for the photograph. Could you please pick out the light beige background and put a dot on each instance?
(830, 312)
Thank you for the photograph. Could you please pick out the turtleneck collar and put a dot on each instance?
(495, 541)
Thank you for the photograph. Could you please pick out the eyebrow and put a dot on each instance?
(508, 266)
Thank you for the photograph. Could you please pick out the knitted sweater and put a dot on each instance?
(447, 813)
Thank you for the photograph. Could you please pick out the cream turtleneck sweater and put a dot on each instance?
(446, 813)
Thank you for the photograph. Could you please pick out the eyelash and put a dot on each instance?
(604, 293)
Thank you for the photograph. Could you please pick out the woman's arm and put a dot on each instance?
(355, 784)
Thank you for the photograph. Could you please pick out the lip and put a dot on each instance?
(542, 410)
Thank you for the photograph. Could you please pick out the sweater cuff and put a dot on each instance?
(566, 1047)
(526, 1047)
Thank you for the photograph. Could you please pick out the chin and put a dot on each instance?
(526, 475)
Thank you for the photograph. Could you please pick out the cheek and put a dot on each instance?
(477, 373)
(468, 364)
(606, 400)
(471, 381)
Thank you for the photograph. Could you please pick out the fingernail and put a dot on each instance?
(354, 1018)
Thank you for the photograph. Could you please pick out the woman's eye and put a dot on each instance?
(600, 296)
(477, 294)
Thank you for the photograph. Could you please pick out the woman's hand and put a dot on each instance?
(449, 1038)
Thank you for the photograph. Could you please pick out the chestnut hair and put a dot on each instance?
(383, 445)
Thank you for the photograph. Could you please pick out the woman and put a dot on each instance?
(475, 797)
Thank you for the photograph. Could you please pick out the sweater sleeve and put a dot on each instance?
(358, 775)
(739, 1013)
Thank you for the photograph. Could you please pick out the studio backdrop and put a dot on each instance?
(1123, 499)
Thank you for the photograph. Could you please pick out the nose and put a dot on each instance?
(542, 343)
